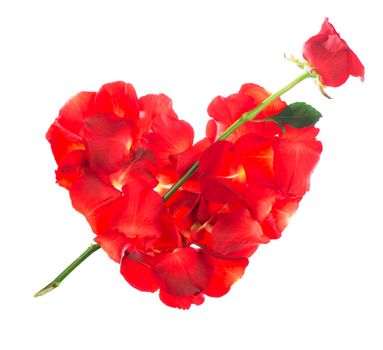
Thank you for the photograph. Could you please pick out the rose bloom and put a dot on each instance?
(331, 57)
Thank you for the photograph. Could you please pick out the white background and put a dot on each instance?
(319, 287)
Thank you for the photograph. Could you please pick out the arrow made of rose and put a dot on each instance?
(184, 218)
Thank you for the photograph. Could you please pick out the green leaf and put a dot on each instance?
(297, 115)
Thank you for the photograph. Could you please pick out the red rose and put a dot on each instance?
(331, 58)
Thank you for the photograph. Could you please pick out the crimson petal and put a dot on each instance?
(71, 168)
(184, 272)
(136, 269)
(108, 140)
(237, 235)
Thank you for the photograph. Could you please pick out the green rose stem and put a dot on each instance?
(248, 116)
(56, 282)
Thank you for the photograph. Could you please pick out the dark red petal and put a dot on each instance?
(138, 273)
(181, 302)
(140, 212)
(97, 200)
(63, 141)
(113, 243)
(108, 140)
(141, 167)
(181, 206)
(184, 272)
(237, 235)
(222, 176)
(169, 239)
(71, 167)
(296, 154)
(277, 220)
(118, 98)
(80, 106)
(225, 273)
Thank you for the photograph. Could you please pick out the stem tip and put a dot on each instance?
(46, 289)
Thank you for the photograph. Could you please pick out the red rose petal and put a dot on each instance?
(222, 176)
(71, 168)
(260, 200)
(277, 220)
(118, 98)
(138, 273)
(296, 154)
(225, 111)
(331, 57)
(108, 140)
(80, 106)
(356, 67)
(114, 244)
(259, 94)
(151, 107)
(256, 155)
(169, 137)
(140, 212)
(225, 273)
(63, 141)
(184, 272)
(181, 302)
(237, 235)
(96, 200)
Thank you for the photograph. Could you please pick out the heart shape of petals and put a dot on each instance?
(118, 154)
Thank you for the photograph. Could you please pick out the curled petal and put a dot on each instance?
(136, 270)
(277, 220)
(73, 113)
(259, 94)
(63, 141)
(151, 107)
(114, 244)
(71, 168)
